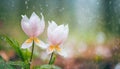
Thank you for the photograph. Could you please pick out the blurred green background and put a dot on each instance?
(85, 18)
(92, 23)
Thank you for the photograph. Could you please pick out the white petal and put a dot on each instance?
(26, 25)
(58, 35)
(66, 28)
(50, 32)
(42, 17)
(42, 44)
(41, 25)
(25, 17)
(26, 45)
(34, 26)
(37, 24)
(63, 33)
(66, 31)
(63, 53)
(52, 25)
(34, 17)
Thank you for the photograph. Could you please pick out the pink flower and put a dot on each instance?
(56, 37)
(33, 27)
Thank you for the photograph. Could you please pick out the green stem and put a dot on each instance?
(31, 54)
(52, 58)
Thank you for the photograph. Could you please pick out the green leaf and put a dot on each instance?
(23, 54)
(10, 64)
(18, 63)
(14, 44)
(3, 65)
(47, 67)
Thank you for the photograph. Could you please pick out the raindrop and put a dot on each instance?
(12, 4)
(26, 7)
(100, 37)
(97, 3)
(46, 5)
(40, 8)
(119, 5)
(61, 9)
(110, 2)
(26, 2)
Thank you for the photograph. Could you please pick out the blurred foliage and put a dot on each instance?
(12, 64)
(47, 67)
(86, 18)
(23, 55)
(105, 19)
(4, 65)
(111, 16)
(15, 45)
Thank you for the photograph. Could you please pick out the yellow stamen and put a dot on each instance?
(51, 48)
(31, 39)
(36, 40)
(56, 47)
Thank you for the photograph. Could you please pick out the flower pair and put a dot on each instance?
(34, 26)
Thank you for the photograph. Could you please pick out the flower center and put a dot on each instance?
(31, 39)
(53, 48)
